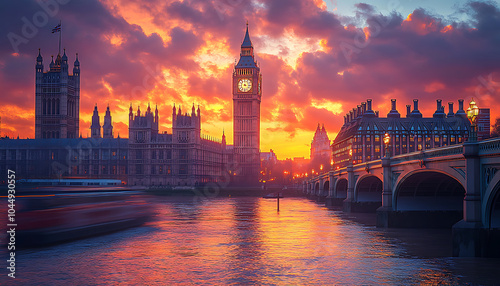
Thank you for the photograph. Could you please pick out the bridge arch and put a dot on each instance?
(341, 188)
(326, 187)
(428, 190)
(368, 188)
(491, 203)
(316, 187)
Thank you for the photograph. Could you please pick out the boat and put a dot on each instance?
(273, 195)
(53, 215)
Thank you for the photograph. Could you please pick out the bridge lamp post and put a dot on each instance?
(387, 140)
(472, 113)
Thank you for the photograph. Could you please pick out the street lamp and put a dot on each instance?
(387, 140)
(331, 164)
(472, 113)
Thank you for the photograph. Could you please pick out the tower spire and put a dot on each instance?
(247, 43)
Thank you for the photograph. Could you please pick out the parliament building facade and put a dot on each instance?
(148, 157)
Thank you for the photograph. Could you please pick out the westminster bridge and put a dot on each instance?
(454, 186)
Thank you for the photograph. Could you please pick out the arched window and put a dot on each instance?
(57, 106)
(53, 106)
(49, 106)
(44, 106)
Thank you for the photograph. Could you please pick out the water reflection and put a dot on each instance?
(233, 241)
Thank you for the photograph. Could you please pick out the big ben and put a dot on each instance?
(247, 92)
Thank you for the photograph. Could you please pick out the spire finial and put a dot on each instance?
(247, 24)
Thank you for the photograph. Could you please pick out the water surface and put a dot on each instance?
(245, 241)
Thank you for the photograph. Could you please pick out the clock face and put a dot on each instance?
(244, 85)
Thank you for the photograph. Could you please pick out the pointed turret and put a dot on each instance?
(138, 110)
(198, 111)
(131, 113)
(76, 67)
(156, 113)
(193, 110)
(223, 140)
(107, 127)
(39, 63)
(64, 58)
(95, 128)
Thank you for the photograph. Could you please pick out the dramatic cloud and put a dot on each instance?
(316, 65)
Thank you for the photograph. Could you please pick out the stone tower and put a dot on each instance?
(247, 93)
(57, 98)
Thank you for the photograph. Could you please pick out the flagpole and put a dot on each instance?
(60, 33)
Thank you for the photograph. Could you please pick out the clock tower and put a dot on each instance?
(246, 115)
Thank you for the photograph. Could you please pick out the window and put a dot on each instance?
(138, 169)
(183, 154)
(182, 169)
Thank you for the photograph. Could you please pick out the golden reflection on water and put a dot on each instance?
(238, 241)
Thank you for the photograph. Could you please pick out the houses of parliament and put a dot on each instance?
(148, 157)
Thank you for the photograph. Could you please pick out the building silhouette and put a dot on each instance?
(148, 157)
(483, 124)
(183, 158)
(363, 132)
(57, 98)
(95, 128)
(247, 92)
(320, 145)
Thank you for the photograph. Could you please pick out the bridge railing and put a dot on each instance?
(490, 146)
(486, 147)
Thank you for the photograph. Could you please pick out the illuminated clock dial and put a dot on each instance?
(244, 85)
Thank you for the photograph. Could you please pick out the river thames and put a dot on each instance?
(245, 241)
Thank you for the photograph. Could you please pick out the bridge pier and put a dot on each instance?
(319, 194)
(385, 214)
(470, 237)
(331, 200)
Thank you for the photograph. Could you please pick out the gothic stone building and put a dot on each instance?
(57, 99)
(57, 158)
(320, 145)
(363, 132)
(183, 158)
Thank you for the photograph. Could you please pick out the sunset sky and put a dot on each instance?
(319, 59)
